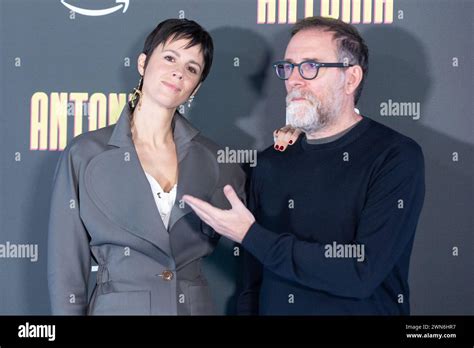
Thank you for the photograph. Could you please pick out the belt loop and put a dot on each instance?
(102, 274)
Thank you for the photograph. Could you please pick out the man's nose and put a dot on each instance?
(295, 79)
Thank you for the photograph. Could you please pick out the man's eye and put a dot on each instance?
(169, 58)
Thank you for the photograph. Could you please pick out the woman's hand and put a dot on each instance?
(285, 136)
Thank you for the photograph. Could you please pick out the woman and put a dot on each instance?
(117, 194)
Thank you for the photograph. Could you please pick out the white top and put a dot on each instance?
(164, 200)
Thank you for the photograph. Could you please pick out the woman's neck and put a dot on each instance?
(151, 125)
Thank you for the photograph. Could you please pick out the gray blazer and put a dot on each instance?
(103, 208)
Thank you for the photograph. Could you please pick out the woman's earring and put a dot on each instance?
(190, 100)
(136, 96)
(140, 100)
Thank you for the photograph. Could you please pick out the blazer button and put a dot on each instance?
(167, 275)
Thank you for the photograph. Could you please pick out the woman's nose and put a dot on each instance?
(178, 75)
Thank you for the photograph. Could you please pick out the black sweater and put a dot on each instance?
(315, 205)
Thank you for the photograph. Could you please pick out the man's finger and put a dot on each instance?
(201, 205)
(202, 214)
(232, 197)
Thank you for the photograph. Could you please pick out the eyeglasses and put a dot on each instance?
(308, 69)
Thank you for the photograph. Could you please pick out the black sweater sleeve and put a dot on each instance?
(247, 302)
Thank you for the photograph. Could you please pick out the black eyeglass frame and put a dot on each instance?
(318, 66)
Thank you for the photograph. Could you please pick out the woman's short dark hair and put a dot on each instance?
(350, 44)
(176, 29)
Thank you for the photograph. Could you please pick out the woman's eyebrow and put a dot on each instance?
(176, 53)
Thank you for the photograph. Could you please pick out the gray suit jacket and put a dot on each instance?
(103, 207)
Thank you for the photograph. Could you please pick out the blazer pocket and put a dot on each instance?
(122, 303)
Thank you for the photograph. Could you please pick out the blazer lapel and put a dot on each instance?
(115, 180)
(198, 172)
(120, 189)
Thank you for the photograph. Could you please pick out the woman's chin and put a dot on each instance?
(169, 104)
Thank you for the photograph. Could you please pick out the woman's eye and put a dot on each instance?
(169, 58)
(192, 70)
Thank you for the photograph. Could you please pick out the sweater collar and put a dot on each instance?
(341, 138)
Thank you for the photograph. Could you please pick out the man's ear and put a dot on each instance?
(354, 76)
(141, 63)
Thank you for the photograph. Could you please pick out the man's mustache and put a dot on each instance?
(297, 93)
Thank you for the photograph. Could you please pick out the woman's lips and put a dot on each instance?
(171, 86)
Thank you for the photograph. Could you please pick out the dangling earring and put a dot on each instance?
(190, 100)
(140, 100)
(136, 96)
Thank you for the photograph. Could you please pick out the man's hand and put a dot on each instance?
(285, 136)
(233, 224)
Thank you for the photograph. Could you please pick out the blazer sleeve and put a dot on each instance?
(383, 228)
(251, 268)
(229, 174)
(68, 243)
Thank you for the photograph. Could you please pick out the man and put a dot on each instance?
(332, 219)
